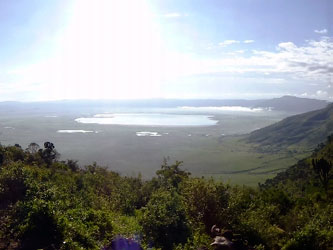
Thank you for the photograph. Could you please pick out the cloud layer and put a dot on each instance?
(323, 31)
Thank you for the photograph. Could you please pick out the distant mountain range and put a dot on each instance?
(308, 129)
(289, 104)
(293, 104)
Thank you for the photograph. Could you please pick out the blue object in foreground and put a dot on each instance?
(123, 244)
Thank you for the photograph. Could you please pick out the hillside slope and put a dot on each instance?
(302, 173)
(306, 129)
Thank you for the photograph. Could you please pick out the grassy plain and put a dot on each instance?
(212, 151)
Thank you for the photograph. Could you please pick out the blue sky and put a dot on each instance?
(115, 49)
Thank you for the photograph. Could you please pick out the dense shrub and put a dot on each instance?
(205, 202)
(163, 220)
(47, 204)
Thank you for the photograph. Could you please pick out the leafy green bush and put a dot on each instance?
(205, 202)
(163, 220)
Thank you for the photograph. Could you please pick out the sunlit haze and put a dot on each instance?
(125, 49)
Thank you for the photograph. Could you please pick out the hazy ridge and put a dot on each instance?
(285, 103)
(306, 129)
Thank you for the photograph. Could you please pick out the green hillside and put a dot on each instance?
(302, 173)
(305, 130)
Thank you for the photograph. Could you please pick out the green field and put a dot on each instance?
(216, 151)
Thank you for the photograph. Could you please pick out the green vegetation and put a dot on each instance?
(305, 130)
(50, 204)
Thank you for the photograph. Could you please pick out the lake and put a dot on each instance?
(150, 119)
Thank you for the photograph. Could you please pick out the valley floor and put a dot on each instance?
(212, 151)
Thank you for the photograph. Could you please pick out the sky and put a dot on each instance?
(136, 49)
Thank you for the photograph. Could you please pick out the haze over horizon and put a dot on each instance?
(123, 49)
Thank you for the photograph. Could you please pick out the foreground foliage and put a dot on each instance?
(47, 204)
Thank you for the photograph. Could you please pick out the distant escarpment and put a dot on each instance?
(306, 129)
(292, 104)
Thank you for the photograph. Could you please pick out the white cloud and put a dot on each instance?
(248, 41)
(294, 67)
(222, 108)
(156, 72)
(235, 52)
(286, 46)
(323, 31)
(313, 60)
(228, 42)
(321, 93)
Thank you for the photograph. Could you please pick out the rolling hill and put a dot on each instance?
(302, 173)
(306, 129)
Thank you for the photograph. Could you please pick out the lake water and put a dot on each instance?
(147, 133)
(71, 131)
(149, 119)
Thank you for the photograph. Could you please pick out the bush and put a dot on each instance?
(163, 220)
(205, 202)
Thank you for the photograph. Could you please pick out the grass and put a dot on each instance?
(205, 153)
(238, 162)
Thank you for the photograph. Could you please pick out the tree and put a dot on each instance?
(49, 154)
(33, 148)
(14, 153)
(171, 175)
(73, 165)
(322, 167)
(2, 155)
